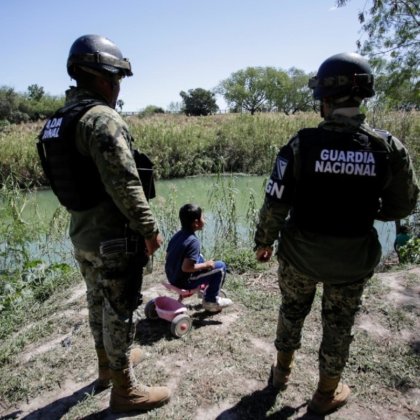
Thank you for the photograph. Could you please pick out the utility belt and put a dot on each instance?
(133, 246)
(129, 245)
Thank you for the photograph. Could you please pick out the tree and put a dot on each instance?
(30, 106)
(393, 31)
(35, 92)
(290, 92)
(277, 80)
(267, 89)
(151, 110)
(401, 97)
(175, 108)
(246, 89)
(120, 104)
(9, 101)
(199, 102)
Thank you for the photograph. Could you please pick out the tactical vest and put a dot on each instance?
(340, 179)
(73, 177)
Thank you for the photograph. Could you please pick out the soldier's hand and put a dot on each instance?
(153, 244)
(264, 254)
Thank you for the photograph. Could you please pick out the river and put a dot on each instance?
(234, 197)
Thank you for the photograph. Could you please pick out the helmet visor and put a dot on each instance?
(104, 61)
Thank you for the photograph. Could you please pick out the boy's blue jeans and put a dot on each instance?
(213, 278)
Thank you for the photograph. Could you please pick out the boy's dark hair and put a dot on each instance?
(188, 213)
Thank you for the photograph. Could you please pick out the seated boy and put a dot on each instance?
(186, 268)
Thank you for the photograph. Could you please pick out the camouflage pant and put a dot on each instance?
(340, 303)
(107, 303)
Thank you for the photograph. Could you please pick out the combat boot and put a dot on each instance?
(104, 375)
(281, 369)
(330, 395)
(127, 395)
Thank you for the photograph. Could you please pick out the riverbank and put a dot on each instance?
(182, 146)
(221, 369)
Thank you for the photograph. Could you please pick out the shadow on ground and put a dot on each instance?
(56, 409)
(151, 331)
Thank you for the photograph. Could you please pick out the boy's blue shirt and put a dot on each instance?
(184, 244)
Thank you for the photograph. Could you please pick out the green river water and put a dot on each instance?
(237, 192)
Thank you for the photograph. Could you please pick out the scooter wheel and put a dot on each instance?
(150, 310)
(181, 325)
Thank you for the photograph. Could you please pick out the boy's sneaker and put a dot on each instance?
(218, 305)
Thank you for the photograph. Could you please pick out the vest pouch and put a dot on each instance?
(74, 178)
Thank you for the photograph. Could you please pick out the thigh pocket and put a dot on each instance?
(114, 257)
(114, 265)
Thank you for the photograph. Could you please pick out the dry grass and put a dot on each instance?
(221, 369)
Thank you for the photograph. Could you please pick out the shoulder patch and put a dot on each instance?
(281, 165)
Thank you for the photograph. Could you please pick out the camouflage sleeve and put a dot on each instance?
(279, 193)
(105, 137)
(400, 194)
(271, 220)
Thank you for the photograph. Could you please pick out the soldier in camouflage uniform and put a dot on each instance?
(86, 151)
(327, 187)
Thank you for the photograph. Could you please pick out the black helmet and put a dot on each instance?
(343, 75)
(99, 54)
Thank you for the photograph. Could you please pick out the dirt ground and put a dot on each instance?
(221, 369)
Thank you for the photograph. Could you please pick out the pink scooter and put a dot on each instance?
(173, 310)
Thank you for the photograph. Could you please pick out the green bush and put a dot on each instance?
(184, 146)
(25, 277)
(410, 252)
(150, 110)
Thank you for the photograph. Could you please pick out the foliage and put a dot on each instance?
(403, 97)
(223, 204)
(240, 260)
(34, 280)
(175, 107)
(293, 94)
(410, 252)
(120, 104)
(184, 146)
(166, 212)
(150, 110)
(9, 105)
(393, 34)
(199, 102)
(233, 227)
(4, 125)
(19, 160)
(246, 89)
(32, 106)
(258, 89)
(35, 92)
(28, 266)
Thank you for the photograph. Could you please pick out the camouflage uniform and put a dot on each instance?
(102, 134)
(343, 264)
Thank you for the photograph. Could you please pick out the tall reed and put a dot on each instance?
(183, 146)
(34, 252)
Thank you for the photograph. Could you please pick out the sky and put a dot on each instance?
(173, 45)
